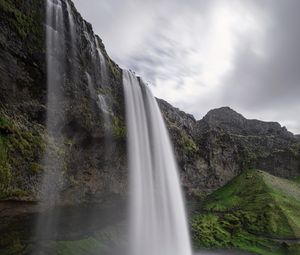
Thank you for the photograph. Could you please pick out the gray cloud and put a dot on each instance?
(269, 85)
(205, 54)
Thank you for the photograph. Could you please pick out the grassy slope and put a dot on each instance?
(251, 212)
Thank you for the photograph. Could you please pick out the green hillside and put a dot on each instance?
(256, 211)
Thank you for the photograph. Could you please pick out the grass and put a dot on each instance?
(249, 213)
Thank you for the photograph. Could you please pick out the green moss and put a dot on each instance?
(10, 244)
(36, 168)
(100, 242)
(188, 144)
(114, 69)
(78, 247)
(185, 141)
(5, 168)
(118, 126)
(297, 179)
(295, 148)
(26, 23)
(20, 151)
(208, 232)
(3, 122)
(251, 213)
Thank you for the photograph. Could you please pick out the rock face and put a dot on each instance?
(210, 152)
(215, 149)
(93, 176)
(23, 100)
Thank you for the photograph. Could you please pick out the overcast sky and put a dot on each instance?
(204, 54)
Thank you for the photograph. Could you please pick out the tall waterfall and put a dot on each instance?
(157, 215)
(71, 24)
(52, 180)
(72, 40)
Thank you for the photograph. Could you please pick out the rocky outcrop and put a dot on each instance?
(215, 149)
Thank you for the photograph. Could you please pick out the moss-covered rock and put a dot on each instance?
(256, 211)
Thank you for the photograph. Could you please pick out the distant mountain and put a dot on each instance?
(255, 211)
(227, 119)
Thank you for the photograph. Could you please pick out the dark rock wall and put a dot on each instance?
(88, 171)
(224, 143)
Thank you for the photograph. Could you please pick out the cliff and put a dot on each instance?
(210, 152)
(213, 150)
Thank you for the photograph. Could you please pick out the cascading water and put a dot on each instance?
(73, 45)
(97, 57)
(71, 24)
(101, 101)
(52, 180)
(157, 215)
(100, 68)
(103, 67)
(90, 85)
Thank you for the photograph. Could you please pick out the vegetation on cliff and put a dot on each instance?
(20, 153)
(256, 212)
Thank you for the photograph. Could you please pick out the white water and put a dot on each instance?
(98, 59)
(157, 215)
(102, 104)
(103, 68)
(71, 24)
(52, 181)
(90, 85)
(72, 31)
(55, 59)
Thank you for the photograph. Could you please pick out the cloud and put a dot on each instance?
(203, 54)
(268, 84)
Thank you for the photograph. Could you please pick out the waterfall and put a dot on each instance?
(97, 57)
(55, 59)
(103, 68)
(71, 24)
(157, 215)
(52, 180)
(103, 104)
(90, 85)
(72, 33)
